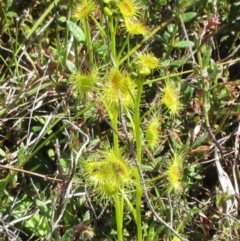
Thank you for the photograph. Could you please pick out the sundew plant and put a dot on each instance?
(119, 120)
(125, 69)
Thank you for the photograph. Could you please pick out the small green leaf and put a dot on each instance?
(101, 48)
(76, 31)
(200, 140)
(11, 14)
(64, 164)
(170, 28)
(2, 111)
(36, 128)
(188, 16)
(206, 57)
(21, 153)
(71, 67)
(9, 4)
(189, 3)
(218, 199)
(41, 120)
(236, 4)
(38, 225)
(177, 63)
(62, 19)
(166, 37)
(86, 216)
(43, 208)
(2, 152)
(184, 44)
(67, 235)
(51, 153)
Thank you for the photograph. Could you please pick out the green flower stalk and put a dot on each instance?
(138, 137)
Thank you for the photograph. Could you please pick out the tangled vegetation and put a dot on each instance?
(119, 120)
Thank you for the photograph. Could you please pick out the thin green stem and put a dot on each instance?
(148, 82)
(88, 40)
(75, 46)
(123, 47)
(119, 218)
(113, 39)
(138, 209)
(118, 202)
(114, 122)
(137, 120)
(139, 156)
(130, 206)
(157, 178)
(15, 49)
(205, 86)
(101, 29)
(66, 33)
